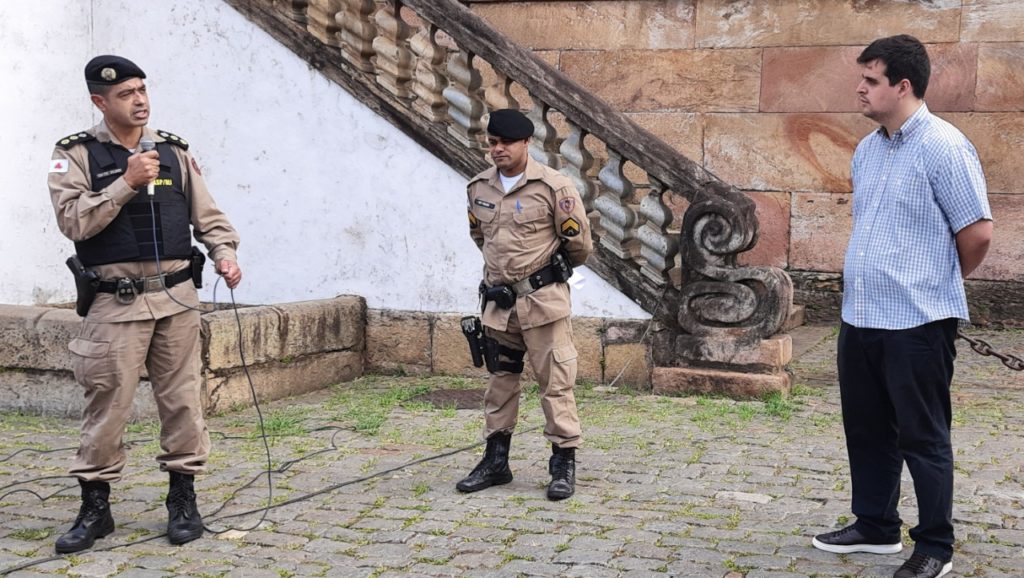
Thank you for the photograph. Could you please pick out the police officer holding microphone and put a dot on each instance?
(131, 198)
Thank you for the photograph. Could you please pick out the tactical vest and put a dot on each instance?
(129, 237)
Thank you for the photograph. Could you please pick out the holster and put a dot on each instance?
(474, 332)
(86, 284)
(198, 260)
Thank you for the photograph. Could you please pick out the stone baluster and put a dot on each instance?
(577, 166)
(543, 145)
(618, 218)
(321, 20)
(357, 32)
(294, 9)
(500, 95)
(465, 99)
(428, 77)
(657, 247)
(394, 57)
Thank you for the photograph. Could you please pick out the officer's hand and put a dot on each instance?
(142, 169)
(230, 271)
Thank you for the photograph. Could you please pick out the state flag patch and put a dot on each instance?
(59, 165)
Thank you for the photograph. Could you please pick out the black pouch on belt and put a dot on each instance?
(502, 295)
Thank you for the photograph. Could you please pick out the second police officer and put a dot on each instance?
(530, 223)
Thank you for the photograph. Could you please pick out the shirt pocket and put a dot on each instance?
(92, 364)
(528, 222)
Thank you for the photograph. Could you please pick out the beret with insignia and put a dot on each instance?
(109, 69)
(509, 123)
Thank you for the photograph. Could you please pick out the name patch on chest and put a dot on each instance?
(108, 173)
(484, 204)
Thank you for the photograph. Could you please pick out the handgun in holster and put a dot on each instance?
(474, 332)
(198, 260)
(86, 284)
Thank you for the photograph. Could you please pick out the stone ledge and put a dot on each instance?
(691, 380)
(290, 348)
(435, 345)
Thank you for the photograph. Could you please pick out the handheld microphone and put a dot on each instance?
(147, 144)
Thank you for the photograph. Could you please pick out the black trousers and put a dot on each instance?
(896, 407)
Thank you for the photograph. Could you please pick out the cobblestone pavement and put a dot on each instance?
(667, 487)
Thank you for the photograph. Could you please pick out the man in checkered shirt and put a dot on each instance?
(921, 223)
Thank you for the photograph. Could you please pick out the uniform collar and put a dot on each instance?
(533, 171)
(103, 134)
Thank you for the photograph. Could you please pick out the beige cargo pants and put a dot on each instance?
(107, 359)
(552, 356)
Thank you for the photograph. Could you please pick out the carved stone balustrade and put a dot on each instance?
(422, 64)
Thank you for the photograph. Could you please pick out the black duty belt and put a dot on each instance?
(147, 284)
(542, 278)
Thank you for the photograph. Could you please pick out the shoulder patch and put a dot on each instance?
(173, 139)
(73, 139)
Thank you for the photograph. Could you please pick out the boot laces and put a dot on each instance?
(182, 503)
(559, 466)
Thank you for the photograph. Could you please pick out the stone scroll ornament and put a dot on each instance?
(719, 299)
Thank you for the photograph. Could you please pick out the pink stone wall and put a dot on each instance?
(762, 94)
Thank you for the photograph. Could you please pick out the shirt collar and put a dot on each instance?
(103, 134)
(910, 125)
(532, 172)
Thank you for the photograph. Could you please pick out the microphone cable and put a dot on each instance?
(245, 369)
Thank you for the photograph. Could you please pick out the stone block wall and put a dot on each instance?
(290, 348)
(432, 343)
(762, 94)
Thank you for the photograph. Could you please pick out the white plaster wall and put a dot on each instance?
(328, 197)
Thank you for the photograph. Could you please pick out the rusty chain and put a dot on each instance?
(984, 348)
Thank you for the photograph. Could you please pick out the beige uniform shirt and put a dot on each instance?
(519, 231)
(82, 213)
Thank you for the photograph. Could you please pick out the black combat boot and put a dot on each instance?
(184, 523)
(493, 469)
(94, 519)
(562, 467)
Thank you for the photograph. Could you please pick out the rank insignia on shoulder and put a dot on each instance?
(570, 227)
(73, 139)
(173, 139)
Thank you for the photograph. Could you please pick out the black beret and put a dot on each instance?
(509, 123)
(110, 69)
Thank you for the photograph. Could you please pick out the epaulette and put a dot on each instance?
(556, 180)
(73, 139)
(173, 139)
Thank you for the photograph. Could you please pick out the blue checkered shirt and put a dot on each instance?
(912, 192)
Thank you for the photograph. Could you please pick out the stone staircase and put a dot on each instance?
(667, 232)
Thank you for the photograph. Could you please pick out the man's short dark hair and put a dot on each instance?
(904, 57)
(97, 88)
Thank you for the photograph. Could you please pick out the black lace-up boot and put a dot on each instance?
(493, 469)
(94, 519)
(184, 523)
(562, 467)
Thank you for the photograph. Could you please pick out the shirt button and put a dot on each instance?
(861, 253)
